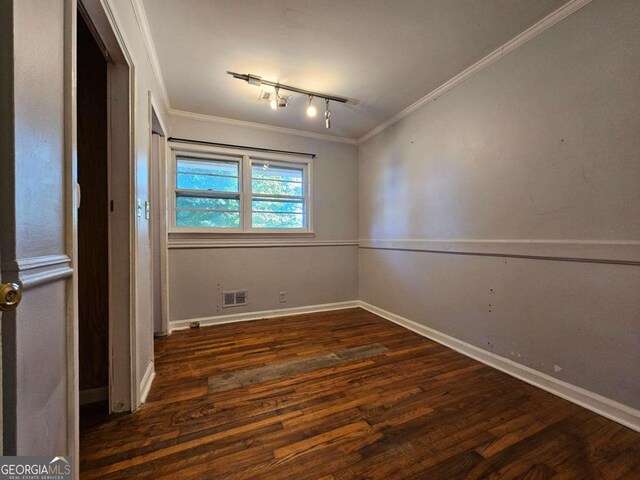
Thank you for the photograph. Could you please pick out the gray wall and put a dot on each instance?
(542, 145)
(313, 274)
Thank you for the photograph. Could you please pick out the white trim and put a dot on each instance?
(554, 17)
(32, 263)
(599, 251)
(249, 316)
(519, 40)
(244, 160)
(71, 203)
(143, 25)
(35, 271)
(31, 280)
(185, 243)
(147, 380)
(161, 196)
(94, 395)
(123, 388)
(261, 126)
(599, 404)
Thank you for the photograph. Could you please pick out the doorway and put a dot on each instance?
(93, 220)
(158, 222)
(106, 130)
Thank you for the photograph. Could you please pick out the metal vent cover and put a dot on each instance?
(234, 298)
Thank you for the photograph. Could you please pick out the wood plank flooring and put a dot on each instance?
(417, 411)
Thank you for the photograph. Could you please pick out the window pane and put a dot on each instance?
(190, 181)
(217, 167)
(218, 175)
(275, 180)
(229, 204)
(206, 218)
(278, 205)
(278, 220)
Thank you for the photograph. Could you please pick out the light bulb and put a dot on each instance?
(311, 109)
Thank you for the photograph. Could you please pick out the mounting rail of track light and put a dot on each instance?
(279, 101)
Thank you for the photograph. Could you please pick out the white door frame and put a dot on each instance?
(71, 229)
(161, 195)
(123, 390)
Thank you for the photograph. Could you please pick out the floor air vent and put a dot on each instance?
(234, 298)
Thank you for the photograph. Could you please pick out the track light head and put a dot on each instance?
(327, 114)
(311, 108)
(277, 101)
(273, 103)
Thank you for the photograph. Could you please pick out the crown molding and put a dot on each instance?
(145, 32)
(260, 126)
(519, 40)
(143, 25)
(564, 11)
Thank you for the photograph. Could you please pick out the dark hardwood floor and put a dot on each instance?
(407, 408)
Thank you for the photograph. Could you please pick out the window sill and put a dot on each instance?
(203, 234)
(204, 240)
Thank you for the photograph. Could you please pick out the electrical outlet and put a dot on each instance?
(283, 297)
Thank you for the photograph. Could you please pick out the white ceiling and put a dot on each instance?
(386, 54)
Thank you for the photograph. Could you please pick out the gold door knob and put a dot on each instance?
(10, 296)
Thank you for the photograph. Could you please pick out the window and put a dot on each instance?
(207, 193)
(277, 196)
(240, 194)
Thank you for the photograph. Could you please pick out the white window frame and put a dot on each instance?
(249, 204)
(174, 190)
(245, 159)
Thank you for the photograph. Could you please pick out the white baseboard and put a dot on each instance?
(147, 380)
(604, 406)
(94, 395)
(246, 317)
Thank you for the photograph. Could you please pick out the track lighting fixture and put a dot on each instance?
(280, 101)
(311, 108)
(327, 114)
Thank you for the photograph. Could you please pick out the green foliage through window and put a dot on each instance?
(208, 194)
(205, 191)
(277, 196)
